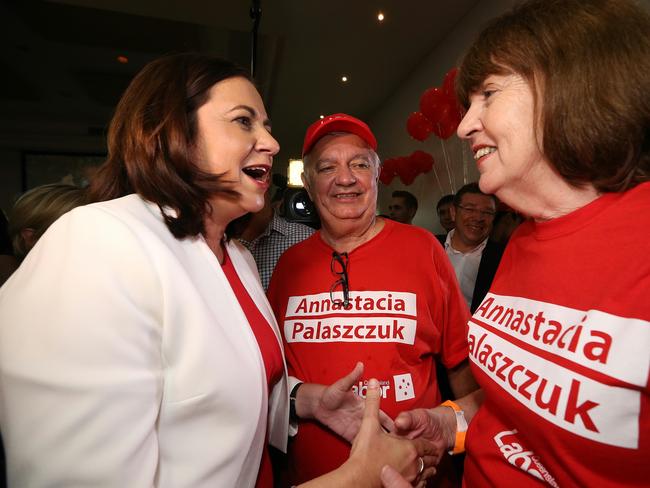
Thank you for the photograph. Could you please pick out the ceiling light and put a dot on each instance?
(322, 116)
(122, 59)
(344, 78)
(380, 17)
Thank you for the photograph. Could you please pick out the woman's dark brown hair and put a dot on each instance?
(151, 137)
(588, 62)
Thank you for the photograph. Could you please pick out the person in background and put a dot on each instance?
(505, 223)
(267, 235)
(443, 209)
(137, 347)
(37, 209)
(473, 255)
(347, 292)
(403, 206)
(558, 118)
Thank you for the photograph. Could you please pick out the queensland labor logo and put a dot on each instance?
(361, 388)
(403, 387)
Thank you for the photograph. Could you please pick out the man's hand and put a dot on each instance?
(336, 406)
(437, 425)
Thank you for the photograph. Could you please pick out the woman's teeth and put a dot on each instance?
(256, 172)
(484, 151)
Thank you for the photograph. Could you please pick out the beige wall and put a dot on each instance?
(454, 165)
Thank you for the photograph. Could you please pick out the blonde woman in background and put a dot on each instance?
(36, 210)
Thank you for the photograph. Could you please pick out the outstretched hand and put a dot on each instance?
(341, 410)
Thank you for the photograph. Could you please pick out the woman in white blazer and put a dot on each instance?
(137, 347)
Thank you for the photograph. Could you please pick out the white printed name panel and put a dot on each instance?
(573, 402)
(616, 346)
(371, 316)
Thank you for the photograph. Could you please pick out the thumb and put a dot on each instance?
(333, 394)
(370, 422)
(373, 395)
(412, 423)
(404, 422)
(345, 383)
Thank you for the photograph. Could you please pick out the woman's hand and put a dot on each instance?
(336, 406)
(390, 478)
(373, 449)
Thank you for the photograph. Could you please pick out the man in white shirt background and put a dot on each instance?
(474, 257)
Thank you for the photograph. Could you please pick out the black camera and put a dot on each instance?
(298, 207)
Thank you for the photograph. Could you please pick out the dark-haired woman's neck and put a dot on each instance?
(213, 236)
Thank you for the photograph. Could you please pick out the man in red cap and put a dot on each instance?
(363, 289)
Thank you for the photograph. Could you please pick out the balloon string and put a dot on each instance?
(446, 158)
(442, 192)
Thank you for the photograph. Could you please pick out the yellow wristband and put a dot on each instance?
(461, 427)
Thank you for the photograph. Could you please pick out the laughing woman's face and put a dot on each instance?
(234, 140)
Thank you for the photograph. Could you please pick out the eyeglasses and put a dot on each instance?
(339, 267)
(488, 214)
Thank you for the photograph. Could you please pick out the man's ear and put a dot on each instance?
(305, 183)
(452, 212)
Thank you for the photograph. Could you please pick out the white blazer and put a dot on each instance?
(126, 360)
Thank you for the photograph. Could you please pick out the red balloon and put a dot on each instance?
(386, 178)
(432, 102)
(398, 166)
(390, 166)
(400, 163)
(388, 171)
(418, 126)
(448, 122)
(408, 175)
(406, 170)
(449, 81)
(449, 118)
(445, 129)
(422, 161)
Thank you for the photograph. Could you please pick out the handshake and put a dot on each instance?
(385, 453)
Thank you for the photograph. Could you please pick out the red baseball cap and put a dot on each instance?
(337, 123)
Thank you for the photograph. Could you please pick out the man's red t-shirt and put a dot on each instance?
(405, 310)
